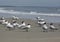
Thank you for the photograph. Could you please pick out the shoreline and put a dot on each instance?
(48, 19)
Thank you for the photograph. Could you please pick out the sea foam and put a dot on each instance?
(2, 10)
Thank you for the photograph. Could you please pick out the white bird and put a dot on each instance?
(5, 22)
(15, 18)
(2, 21)
(15, 24)
(27, 27)
(52, 27)
(9, 25)
(41, 22)
(38, 18)
(23, 24)
(45, 27)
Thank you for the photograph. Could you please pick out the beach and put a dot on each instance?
(46, 28)
(35, 34)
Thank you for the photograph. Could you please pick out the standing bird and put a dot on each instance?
(45, 28)
(52, 27)
(22, 25)
(27, 27)
(40, 21)
(15, 18)
(9, 26)
(15, 24)
(5, 22)
(38, 18)
(2, 19)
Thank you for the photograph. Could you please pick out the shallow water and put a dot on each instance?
(50, 14)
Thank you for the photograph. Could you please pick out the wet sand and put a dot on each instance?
(34, 35)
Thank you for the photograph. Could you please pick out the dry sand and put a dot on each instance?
(34, 35)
